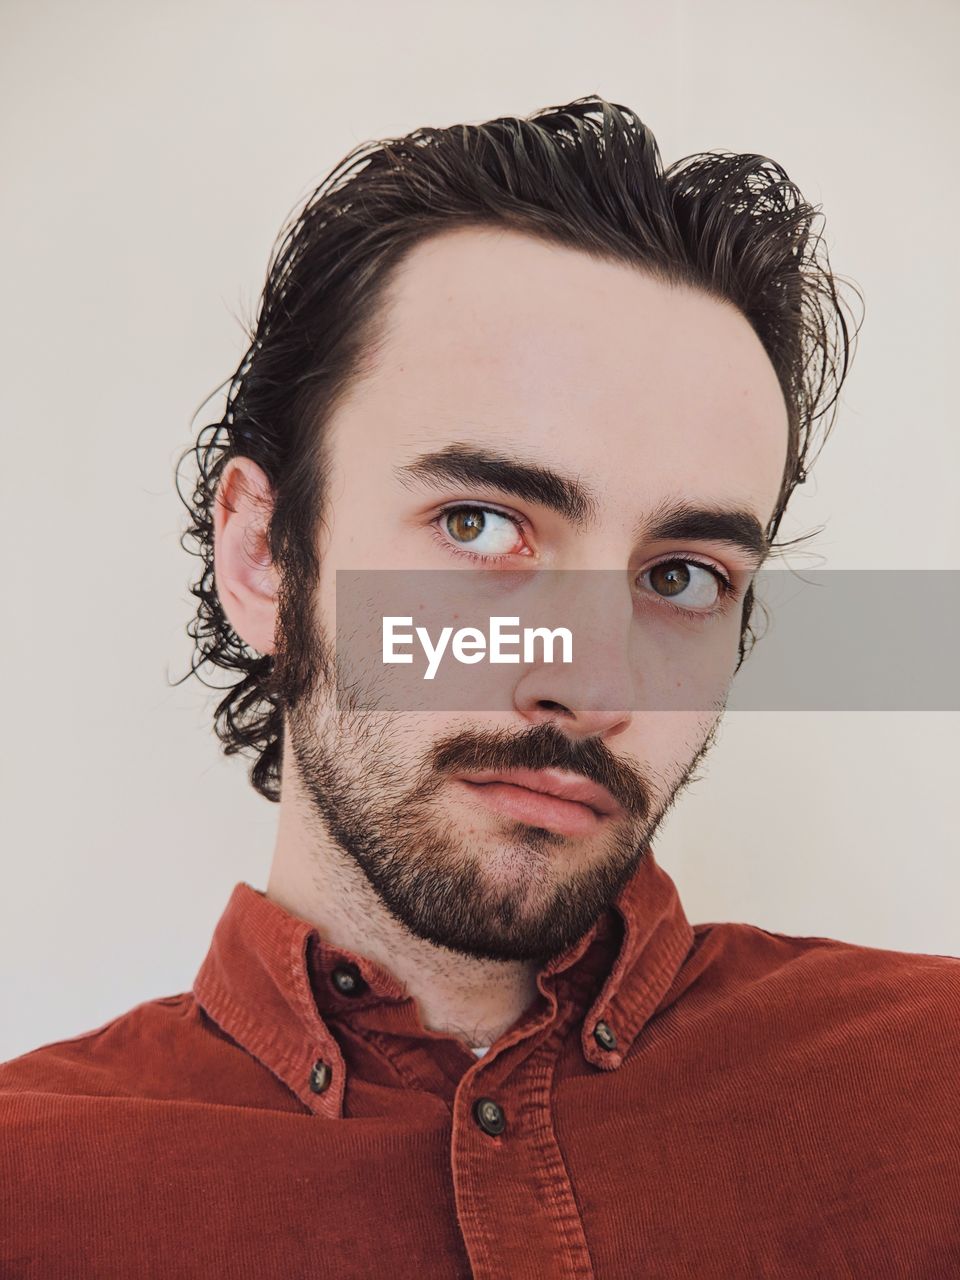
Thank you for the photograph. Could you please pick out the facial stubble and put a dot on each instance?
(510, 893)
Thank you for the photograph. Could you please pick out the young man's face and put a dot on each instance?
(647, 396)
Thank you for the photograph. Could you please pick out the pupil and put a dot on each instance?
(671, 578)
(466, 525)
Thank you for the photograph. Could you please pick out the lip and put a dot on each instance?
(552, 782)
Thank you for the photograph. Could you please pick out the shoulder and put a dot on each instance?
(95, 1126)
(161, 1052)
(848, 967)
(809, 968)
(826, 998)
(127, 1056)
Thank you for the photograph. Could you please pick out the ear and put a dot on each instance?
(246, 580)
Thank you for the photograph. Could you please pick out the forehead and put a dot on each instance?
(643, 388)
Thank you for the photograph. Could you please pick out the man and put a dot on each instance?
(467, 1029)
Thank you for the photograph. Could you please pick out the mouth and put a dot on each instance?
(566, 803)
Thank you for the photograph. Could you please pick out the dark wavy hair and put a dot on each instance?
(587, 175)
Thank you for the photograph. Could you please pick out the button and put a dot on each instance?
(489, 1116)
(320, 1076)
(604, 1036)
(346, 978)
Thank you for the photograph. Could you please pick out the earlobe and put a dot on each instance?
(246, 578)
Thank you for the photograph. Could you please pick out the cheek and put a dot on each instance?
(681, 672)
(402, 740)
(665, 742)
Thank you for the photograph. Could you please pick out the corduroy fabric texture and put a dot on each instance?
(679, 1101)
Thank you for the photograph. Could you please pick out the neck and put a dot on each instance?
(315, 879)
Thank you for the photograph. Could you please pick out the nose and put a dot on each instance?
(595, 694)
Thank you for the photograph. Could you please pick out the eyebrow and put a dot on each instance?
(683, 520)
(566, 495)
(578, 503)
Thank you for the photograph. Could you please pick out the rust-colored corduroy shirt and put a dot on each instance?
(707, 1101)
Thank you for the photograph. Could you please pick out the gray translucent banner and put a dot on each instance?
(480, 639)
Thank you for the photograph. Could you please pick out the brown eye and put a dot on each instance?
(670, 578)
(488, 533)
(690, 585)
(465, 525)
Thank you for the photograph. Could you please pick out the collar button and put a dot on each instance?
(320, 1076)
(346, 978)
(604, 1036)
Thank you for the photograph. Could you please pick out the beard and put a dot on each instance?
(377, 788)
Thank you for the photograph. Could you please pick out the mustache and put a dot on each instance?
(545, 747)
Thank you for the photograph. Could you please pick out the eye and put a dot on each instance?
(481, 531)
(687, 584)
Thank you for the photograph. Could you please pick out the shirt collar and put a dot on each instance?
(272, 982)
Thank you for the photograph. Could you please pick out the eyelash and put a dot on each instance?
(727, 588)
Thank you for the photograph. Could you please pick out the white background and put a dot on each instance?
(150, 154)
